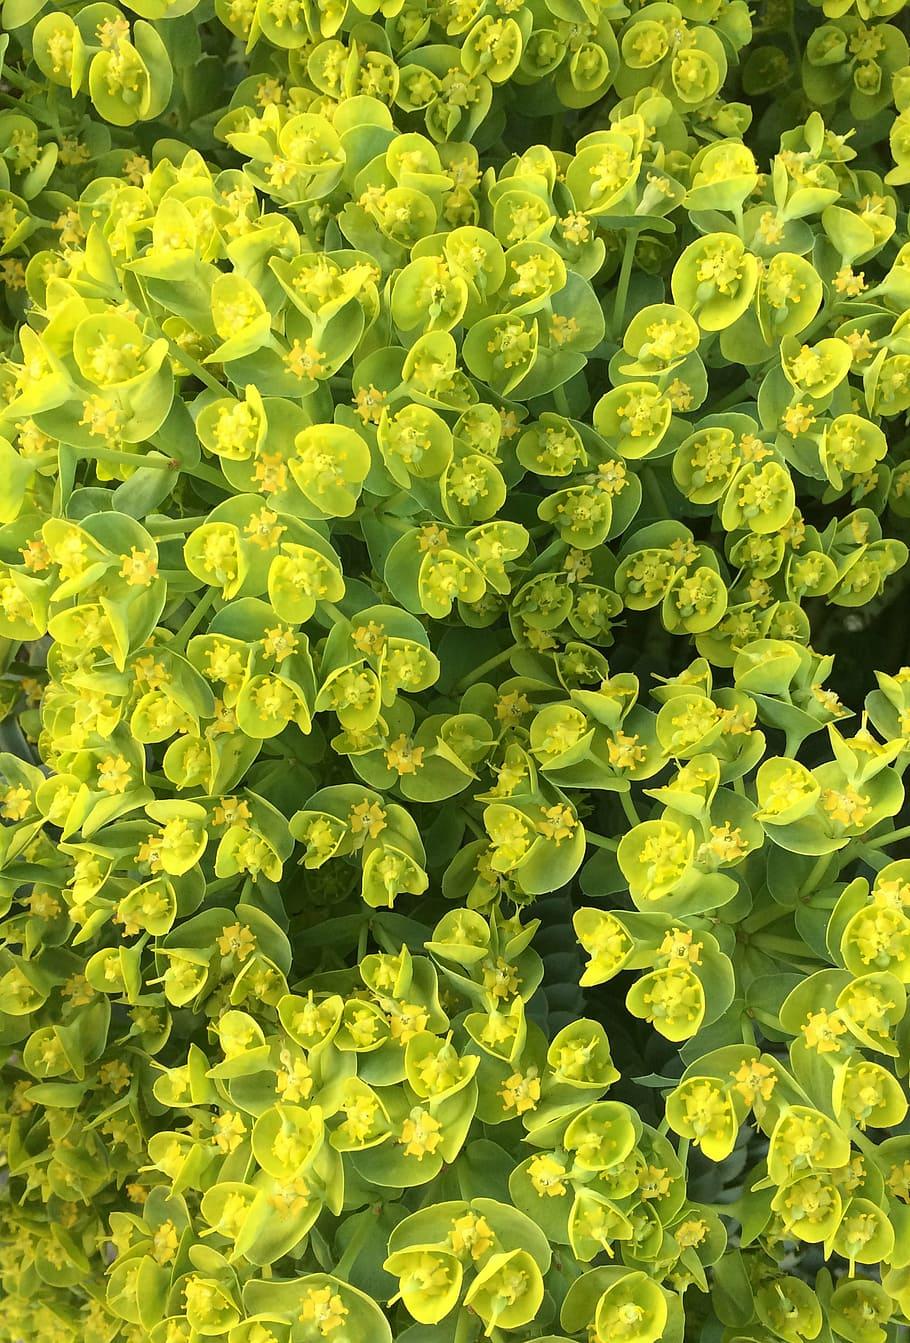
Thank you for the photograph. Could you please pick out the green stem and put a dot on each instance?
(203, 472)
(763, 918)
(794, 40)
(873, 858)
(561, 401)
(747, 1030)
(865, 1144)
(788, 945)
(741, 393)
(882, 841)
(18, 81)
(198, 370)
(793, 742)
(682, 1150)
(490, 665)
(101, 290)
(601, 841)
(174, 526)
(134, 459)
(181, 638)
(655, 493)
(221, 883)
(818, 870)
(358, 1239)
(362, 940)
(622, 284)
(304, 217)
(337, 617)
(629, 808)
(402, 525)
(153, 462)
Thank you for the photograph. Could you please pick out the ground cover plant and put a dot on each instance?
(454, 502)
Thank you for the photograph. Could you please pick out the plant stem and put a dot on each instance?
(304, 216)
(622, 284)
(198, 370)
(655, 493)
(220, 884)
(153, 462)
(763, 918)
(794, 40)
(202, 472)
(175, 526)
(355, 1244)
(133, 459)
(881, 841)
(629, 808)
(788, 945)
(819, 868)
(397, 524)
(865, 1144)
(874, 858)
(479, 672)
(182, 636)
(601, 841)
(18, 81)
(741, 393)
(337, 617)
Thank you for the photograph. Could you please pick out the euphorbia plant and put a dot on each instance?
(452, 467)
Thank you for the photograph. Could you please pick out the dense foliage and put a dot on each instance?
(454, 474)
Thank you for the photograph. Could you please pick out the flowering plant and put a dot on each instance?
(453, 877)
